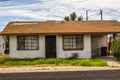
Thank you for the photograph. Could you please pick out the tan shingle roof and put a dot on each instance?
(60, 27)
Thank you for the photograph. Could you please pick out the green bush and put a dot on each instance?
(38, 61)
(116, 47)
(74, 56)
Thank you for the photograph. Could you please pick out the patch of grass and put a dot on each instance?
(6, 61)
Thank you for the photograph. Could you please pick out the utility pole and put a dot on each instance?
(109, 44)
(101, 13)
(86, 15)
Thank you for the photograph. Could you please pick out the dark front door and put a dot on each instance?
(50, 46)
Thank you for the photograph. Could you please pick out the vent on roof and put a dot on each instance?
(60, 21)
(24, 23)
(55, 21)
(50, 20)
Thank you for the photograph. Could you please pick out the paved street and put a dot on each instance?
(67, 75)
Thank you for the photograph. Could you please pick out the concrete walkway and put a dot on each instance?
(52, 69)
(111, 61)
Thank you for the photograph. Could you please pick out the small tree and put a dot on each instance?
(73, 16)
(80, 18)
(66, 18)
(116, 47)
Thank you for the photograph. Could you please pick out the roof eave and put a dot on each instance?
(59, 33)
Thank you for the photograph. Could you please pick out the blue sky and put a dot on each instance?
(39, 10)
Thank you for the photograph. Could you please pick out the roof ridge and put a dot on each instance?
(59, 21)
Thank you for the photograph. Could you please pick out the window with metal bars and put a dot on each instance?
(73, 42)
(28, 42)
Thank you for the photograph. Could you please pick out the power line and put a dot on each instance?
(97, 14)
(4, 0)
(94, 16)
(19, 4)
(7, 5)
(117, 9)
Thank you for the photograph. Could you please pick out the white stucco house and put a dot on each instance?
(2, 45)
(58, 39)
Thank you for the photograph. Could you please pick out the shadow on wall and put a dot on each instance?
(6, 51)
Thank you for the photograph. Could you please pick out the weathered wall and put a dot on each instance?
(85, 53)
(14, 53)
(2, 45)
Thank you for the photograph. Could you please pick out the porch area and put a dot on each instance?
(99, 45)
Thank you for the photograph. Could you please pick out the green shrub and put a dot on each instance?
(74, 56)
(116, 47)
(38, 61)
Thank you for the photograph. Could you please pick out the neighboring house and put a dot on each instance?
(59, 39)
(2, 45)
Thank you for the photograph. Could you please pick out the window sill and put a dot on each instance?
(72, 49)
(27, 49)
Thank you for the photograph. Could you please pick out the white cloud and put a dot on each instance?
(101, 4)
(57, 9)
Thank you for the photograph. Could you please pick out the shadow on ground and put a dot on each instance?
(67, 75)
(109, 58)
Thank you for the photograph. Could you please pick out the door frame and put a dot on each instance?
(54, 44)
(94, 46)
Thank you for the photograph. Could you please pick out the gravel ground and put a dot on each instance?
(111, 61)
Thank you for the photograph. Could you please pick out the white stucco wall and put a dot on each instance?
(14, 53)
(85, 53)
(2, 45)
(102, 42)
(97, 43)
(60, 53)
